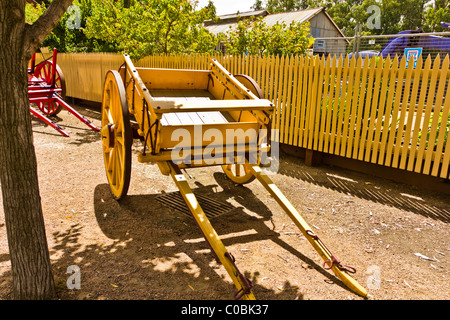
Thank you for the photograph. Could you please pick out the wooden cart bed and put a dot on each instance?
(189, 118)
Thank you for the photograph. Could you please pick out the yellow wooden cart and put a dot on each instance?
(179, 115)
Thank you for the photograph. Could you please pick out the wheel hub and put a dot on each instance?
(108, 137)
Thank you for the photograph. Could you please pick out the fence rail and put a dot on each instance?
(375, 110)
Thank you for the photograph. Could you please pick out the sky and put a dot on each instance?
(228, 6)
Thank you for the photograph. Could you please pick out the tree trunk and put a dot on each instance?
(31, 267)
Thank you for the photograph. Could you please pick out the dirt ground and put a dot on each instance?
(396, 236)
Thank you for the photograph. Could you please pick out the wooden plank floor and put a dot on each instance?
(187, 118)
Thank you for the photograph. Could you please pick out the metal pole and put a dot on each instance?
(358, 39)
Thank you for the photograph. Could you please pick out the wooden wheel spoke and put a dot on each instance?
(51, 107)
(120, 153)
(114, 167)
(238, 170)
(109, 116)
(46, 72)
(119, 127)
(119, 139)
(119, 167)
(109, 161)
(117, 110)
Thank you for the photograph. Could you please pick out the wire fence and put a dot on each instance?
(410, 43)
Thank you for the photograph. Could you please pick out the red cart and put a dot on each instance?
(46, 90)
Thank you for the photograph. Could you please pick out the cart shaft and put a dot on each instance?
(339, 270)
(243, 285)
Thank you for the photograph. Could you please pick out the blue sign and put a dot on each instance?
(414, 53)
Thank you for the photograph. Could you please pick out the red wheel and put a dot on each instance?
(44, 71)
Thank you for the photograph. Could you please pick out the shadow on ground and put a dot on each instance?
(404, 197)
(161, 252)
(158, 248)
(71, 124)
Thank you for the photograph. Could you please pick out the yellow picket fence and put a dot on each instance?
(383, 111)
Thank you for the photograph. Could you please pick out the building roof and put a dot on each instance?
(293, 16)
(236, 16)
(225, 22)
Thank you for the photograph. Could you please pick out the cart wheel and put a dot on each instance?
(44, 71)
(116, 135)
(239, 173)
(251, 84)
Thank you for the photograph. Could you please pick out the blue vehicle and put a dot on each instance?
(397, 45)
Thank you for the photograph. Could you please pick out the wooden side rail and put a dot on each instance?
(211, 105)
(174, 79)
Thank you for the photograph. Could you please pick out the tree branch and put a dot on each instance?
(37, 32)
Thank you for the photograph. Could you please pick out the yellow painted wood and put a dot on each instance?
(304, 104)
(317, 104)
(284, 103)
(300, 97)
(309, 106)
(423, 141)
(212, 105)
(346, 113)
(342, 104)
(306, 95)
(278, 93)
(304, 228)
(367, 108)
(387, 115)
(442, 130)
(395, 112)
(287, 103)
(231, 80)
(446, 162)
(174, 79)
(419, 113)
(373, 110)
(201, 157)
(114, 132)
(137, 95)
(246, 66)
(235, 65)
(260, 70)
(268, 63)
(273, 88)
(329, 104)
(381, 108)
(402, 117)
(295, 96)
(184, 135)
(337, 94)
(410, 113)
(436, 114)
(360, 108)
(323, 105)
(207, 229)
(238, 172)
(139, 85)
